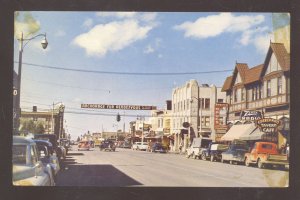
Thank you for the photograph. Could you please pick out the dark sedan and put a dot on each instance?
(158, 147)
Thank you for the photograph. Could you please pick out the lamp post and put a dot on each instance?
(44, 44)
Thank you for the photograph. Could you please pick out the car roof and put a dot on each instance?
(22, 140)
(44, 142)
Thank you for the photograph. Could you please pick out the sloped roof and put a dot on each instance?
(253, 74)
(227, 84)
(242, 68)
(282, 55)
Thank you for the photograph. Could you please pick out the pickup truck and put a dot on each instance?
(265, 154)
(197, 147)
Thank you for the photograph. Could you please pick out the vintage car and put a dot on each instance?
(214, 152)
(158, 147)
(107, 145)
(83, 145)
(65, 143)
(143, 146)
(197, 147)
(235, 153)
(47, 155)
(60, 150)
(28, 169)
(266, 154)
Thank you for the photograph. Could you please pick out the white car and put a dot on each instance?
(143, 146)
(28, 170)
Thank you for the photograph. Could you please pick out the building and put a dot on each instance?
(53, 120)
(195, 104)
(264, 89)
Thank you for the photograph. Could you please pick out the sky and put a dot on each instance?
(129, 42)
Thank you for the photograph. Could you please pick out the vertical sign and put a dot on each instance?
(220, 115)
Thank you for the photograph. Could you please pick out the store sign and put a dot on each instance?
(268, 125)
(118, 107)
(249, 115)
(220, 115)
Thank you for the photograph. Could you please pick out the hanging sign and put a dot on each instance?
(251, 115)
(268, 125)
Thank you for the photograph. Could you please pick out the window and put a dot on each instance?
(260, 92)
(279, 85)
(184, 105)
(266, 146)
(235, 95)
(220, 100)
(268, 88)
(243, 94)
(207, 103)
(174, 106)
(205, 121)
(188, 104)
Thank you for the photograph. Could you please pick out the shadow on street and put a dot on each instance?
(75, 154)
(94, 175)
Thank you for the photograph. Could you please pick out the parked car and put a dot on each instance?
(197, 147)
(60, 150)
(158, 147)
(143, 146)
(235, 153)
(265, 154)
(47, 155)
(83, 145)
(126, 145)
(65, 143)
(28, 170)
(214, 152)
(107, 145)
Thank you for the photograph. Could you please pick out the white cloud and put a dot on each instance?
(149, 49)
(215, 25)
(262, 42)
(88, 23)
(111, 37)
(148, 17)
(160, 55)
(60, 33)
(117, 14)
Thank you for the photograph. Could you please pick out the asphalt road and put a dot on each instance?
(127, 168)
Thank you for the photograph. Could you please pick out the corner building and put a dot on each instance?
(264, 88)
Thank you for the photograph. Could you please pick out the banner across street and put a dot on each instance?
(118, 107)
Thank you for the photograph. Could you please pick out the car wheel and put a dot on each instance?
(231, 162)
(194, 156)
(247, 162)
(212, 158)
(203, 156)
(260, 165)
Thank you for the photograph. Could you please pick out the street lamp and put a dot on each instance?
(44, 44)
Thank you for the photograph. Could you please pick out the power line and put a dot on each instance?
(126, 73)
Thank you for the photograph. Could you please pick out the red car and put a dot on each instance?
(84, 145)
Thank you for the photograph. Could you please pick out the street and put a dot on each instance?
(127, 168)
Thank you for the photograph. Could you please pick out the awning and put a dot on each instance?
(254, 135)
(237, 130)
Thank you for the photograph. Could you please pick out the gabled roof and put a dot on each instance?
(253, 74)
(283, 57)
(227, 84)
(241, 68)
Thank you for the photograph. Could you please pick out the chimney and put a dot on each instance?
(34, 109)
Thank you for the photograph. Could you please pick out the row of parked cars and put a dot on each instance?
(262, 154)
(36, 161)
(152, 147)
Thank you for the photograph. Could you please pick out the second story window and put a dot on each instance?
(220, 100)
(243, 94)
(279, 85)
(235, 95)
(207, 104)
(268, 88)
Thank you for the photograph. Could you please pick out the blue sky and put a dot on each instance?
(131, 42)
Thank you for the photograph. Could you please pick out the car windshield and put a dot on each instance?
(235, 147)
(19, 154)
